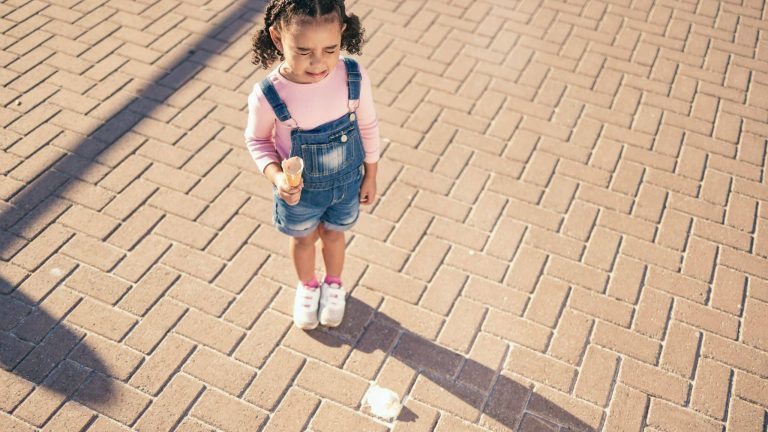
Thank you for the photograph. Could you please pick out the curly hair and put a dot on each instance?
(282, 12)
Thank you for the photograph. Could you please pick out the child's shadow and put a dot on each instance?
(367, 330)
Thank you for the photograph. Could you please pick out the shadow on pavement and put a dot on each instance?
(34, 345)
(367, 330)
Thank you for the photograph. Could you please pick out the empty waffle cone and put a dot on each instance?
(293, 167)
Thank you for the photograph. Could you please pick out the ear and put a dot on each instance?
(274, 33)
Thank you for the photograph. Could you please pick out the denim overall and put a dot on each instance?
(333, 158)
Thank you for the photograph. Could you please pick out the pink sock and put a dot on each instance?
(333, 280)
(312, 283)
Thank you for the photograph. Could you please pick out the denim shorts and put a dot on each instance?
(337, 208)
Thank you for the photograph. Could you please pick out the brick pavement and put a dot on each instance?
(572, 232)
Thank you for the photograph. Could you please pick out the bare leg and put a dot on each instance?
(334, 247)
(303, 252)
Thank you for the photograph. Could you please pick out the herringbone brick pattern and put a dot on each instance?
(572, 232)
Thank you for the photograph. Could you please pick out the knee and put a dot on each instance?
(308, 240)
(331, 236)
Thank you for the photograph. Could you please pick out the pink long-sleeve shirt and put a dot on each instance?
(269, 140)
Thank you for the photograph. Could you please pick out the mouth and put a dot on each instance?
(317, 75)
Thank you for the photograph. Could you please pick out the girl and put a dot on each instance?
(318, 106)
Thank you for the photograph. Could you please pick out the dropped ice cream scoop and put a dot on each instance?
(383, 402)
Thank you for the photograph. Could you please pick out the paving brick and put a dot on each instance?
(88, 221)
(413, 318)
(155, 325)
(332, 417)
(294, 412)
(71, 416)
(534, 215)
(219, 371)
(325, 347)
(193, 262)
(452, 423)
(98, 285)
(135, 228)
(667, 416)
(448, 396)
(653, 313)
(601, 306)
(680, 351)
(201, 296)
(577, 274)
(329, 383)
(234, 277)
(203, 328)
(443, 289)
(542, 369)
(251, 303)
(393, 283)
(745, 416)
(455, 233)
(526, 269)
(172, 404)
(414, 225)
(96, 317)
(475, 263)
(662, 385)
(142, 259)
(628, 408)
(93, 252)
(554, 244)
(14, 390)
(106, 357)
(518, 330)
(754, 331)
(150, 288)
(112, 398)
(507, 402)
(596, 377)
(564, 410)
(627, 279)
(710, 389)
(233, 237)
(678, 285)
(571, 337)
(42, 247)
(162, 364)
(227, 413)
(749, 388)
(547, 302)
(602, 249)
(463, 324)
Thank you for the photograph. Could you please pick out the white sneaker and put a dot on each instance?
(332, 303)
(305, 306)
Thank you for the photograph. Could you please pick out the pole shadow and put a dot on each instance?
(35, 345)
(367, 330)
(43, 351)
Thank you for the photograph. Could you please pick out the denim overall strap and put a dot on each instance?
(281, 110)
(353, 83)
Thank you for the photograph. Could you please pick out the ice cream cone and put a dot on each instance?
(293, 167)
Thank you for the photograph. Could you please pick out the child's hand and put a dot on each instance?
(290, 194)
(368, 190)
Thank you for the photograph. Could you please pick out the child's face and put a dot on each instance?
(310, 46)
